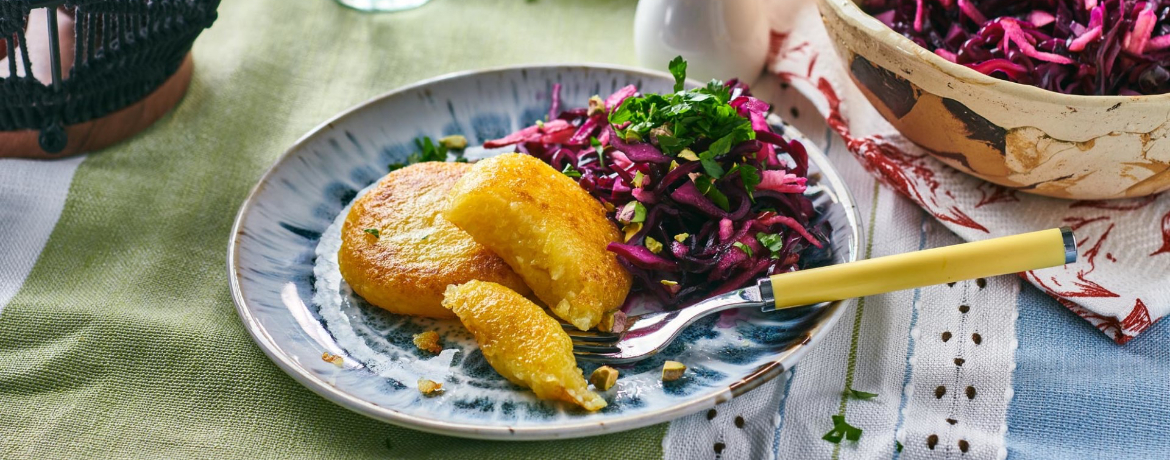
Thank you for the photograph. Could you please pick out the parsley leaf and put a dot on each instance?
(749, 175)
(743, 247)
(373, 231)
(707, 186)
(569, 171)
(678, 68)
(773, 242)
(860, 394)
(596, 144)
(711, 166)
(898, 446)
(428, 151)
(842, 430)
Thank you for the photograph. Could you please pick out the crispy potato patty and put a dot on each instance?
(415, 253)
(548, 229)
(521, 342)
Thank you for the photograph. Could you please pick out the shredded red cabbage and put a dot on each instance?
(1086, 47)
(695, 224)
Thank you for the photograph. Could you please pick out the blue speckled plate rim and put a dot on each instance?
(785, 360)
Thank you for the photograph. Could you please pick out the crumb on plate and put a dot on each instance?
(604, 377)
(429, 387)
(428, 341)
(331, 358)
(672, 370)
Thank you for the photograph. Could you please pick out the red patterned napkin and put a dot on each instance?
(1120, 284)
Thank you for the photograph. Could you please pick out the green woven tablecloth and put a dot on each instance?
(123, 340)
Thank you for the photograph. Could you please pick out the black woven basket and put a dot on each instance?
(123, 50)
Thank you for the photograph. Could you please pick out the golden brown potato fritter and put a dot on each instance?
(415, 253)
(548, 229)
(521, 342)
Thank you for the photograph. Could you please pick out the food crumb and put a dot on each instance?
(614, 321)
(429, 387)
(331, 358)
(604, 377)
(454, 142)
(428, 341)
(672, 370)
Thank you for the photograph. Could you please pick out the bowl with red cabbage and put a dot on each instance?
(1064, 98)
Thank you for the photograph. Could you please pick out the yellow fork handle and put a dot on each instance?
(997, 256)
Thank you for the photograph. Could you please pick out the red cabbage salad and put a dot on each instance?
(1085, 47)
(707, 196)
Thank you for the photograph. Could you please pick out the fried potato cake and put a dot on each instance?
(521, 342)
(548, 229)
(399, 253)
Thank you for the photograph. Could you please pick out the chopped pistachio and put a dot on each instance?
(673, 164)
(609, 206)
(454, 142)
(334, 359)
(631, 212)
(688, 154)
(672, 370)
(681, 237)
(596, 104)
(631, 229)
(429, 387)
(653, 245)
(632, 136)
(663, 130)
(428, 341)
(639, 212)
(638, 179)
(614, 321)
(540, 124)
(604, 377)
(669, 283)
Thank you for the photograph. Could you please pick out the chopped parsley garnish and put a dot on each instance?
(678, 68)
(598, 147)
(774, 242)
(701, 114)
(842, 430)
(743, 247)
(428, 150)
(707, 186)
(571, 172)
(855, 394)
(749, 175)
(373, 231)
(897, 446)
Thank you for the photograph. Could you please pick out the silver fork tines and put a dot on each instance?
(648, 334)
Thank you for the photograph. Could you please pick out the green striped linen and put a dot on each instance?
(124, 342)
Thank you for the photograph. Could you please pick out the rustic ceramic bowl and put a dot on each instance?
(1017, 136)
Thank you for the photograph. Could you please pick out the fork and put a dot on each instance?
(647, 334)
